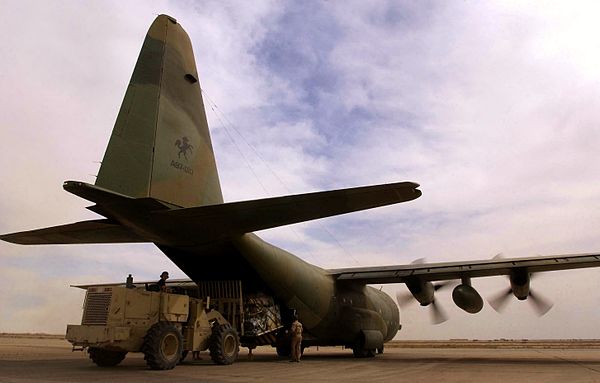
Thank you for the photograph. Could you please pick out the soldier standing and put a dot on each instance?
(296, 333)
(162, 285)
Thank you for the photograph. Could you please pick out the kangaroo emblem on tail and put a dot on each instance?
(183, 146)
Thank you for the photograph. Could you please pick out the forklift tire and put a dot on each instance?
(163, 346)
(224, 344)
(106, 358)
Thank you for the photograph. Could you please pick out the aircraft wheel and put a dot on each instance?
(363, 353)
(284, 351)
(224, 344)
(106, 358)
(360, 351)
(163, 346)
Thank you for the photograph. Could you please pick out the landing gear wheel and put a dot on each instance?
(106, 358)
(224, 344)
(284, 351)
(360, 352)
(163, 346)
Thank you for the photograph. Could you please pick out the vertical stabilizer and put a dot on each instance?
(160, 146)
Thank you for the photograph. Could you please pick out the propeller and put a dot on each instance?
(499, 301)
(424, 293)
(438, 314)
(404, 299)
(540, 304)
(520, 281)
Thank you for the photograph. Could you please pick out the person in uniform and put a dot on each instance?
(162, 282)
(296, 335)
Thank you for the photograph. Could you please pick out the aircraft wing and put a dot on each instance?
(217, 221)
(96, 231)
(458, 270)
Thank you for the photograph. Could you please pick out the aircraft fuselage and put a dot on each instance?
(333, 312)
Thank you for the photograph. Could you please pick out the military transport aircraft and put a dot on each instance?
(158, 183)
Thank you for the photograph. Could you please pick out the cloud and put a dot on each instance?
(46, 305)
(491, 107)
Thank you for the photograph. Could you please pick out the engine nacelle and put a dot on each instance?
(422, 291)
(467, 298)
(519, 283)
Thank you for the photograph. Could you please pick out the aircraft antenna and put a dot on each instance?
(237, 146)
(224, 122)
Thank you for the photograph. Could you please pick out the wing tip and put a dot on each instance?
(17, 239)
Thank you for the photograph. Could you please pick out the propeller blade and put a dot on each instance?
(404, 298)
(438, 315)
(442, 285)
(541, 305)
(499, 301)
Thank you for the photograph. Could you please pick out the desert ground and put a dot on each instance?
(43, 358)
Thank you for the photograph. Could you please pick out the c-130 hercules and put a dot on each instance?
(158, 183)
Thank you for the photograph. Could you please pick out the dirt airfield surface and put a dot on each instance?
(50, 359)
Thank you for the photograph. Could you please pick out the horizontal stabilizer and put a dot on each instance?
(217, 221)
(94, 193)
(104, 197)
(97, 231)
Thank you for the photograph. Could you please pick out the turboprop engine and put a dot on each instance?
(520, 280)
(519, 284)
(424, 293)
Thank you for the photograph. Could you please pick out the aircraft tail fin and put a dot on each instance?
(160, 146)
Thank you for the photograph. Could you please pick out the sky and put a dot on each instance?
(492, 107)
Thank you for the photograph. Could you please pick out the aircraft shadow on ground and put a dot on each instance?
(394, 359)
